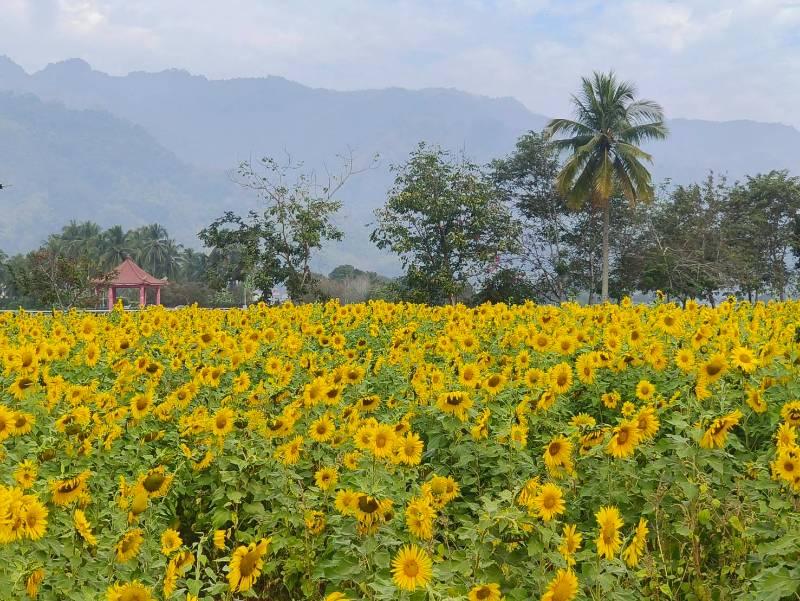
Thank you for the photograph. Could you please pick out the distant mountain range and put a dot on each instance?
(79, 143)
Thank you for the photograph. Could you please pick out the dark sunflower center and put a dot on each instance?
(153, 482)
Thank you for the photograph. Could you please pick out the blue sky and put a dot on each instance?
(713, 59)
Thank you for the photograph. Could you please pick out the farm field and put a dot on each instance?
(394, 451)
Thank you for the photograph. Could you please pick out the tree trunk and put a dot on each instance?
(604, 285)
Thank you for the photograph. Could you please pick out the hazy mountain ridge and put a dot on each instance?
(61, 164)
(205, 127)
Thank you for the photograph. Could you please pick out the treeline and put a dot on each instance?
(700, 241)
(62, 271)
(504, 232)
(463, 232)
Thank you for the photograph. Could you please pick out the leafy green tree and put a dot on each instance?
(603, 142)
(507, 285)
(760, 225)
(277, 243)
(550, 230)
(242, 252)
(680, 248)
(51, 279)
(447, 222)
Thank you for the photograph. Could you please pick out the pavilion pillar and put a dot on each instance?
(142, 297)
(158, 295)
(111, 299)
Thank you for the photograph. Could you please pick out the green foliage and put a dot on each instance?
(507, 285)
(55, 281)
(446, 221)
(276, 245)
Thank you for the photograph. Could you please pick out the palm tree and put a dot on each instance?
(604, 140)
(77, 239)
(154, 251)
(115, 246)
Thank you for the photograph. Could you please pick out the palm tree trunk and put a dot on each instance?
(604, 285)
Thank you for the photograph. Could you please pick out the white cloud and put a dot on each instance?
(713, 59)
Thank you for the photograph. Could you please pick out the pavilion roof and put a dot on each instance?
(130, 274)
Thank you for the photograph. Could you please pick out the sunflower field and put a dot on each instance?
(396, 451)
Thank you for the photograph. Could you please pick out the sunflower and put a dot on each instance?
(25, 474)
(326, 478)
(558, 453)
(21, 387)
(155, 482)
(610, 399)
(481, 428)
(441, 490)
(624, 440)
(636, 547)
(383, 438)
(346, 501)
(33, 583)
(411, 568)
(128, 546)
(565, 344)
(647, 423)
(322, 429)
(170, 541)
(608, 539)
(755, 400)
(787, 465)
(582, 420)
(69, 490)
(494, 383)
(645, 390)
(563, 587)
(129, 591)
(245, 565)
(289, 452)
(222, 421)
(371, 511)
(790, 413)
(33, 515)
(560, 378)
(83, 527)
(456, 403)
(219, 539)
(419, 518)
(141, 404)
(7, 419)
(408, 449)
(368, 404)
(241, 383)
(717, 432)
(351, 459)
(713, 369)
(485, 592)
(170, 581)
(535, 378)
(314, 522)
(745, 359)
(786, 436)
(549, 502)
(570, 543)
(363, 436)
(469, 375)
(684, 359)
(182, 561)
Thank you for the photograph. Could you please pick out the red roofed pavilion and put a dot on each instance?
(130, 275)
